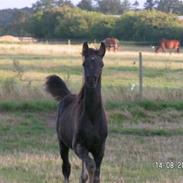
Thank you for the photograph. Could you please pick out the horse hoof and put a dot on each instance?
(66, 181)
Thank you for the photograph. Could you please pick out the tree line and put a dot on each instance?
(60, 19)
(114, 6)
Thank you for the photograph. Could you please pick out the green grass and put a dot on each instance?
(29, 151)
(46, 105)
(147, 132)
(145, 104)
(141, 132)
(32, 106)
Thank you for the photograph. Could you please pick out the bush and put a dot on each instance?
(148, 26)
(103, 27)
(74, 23)
(66, 23)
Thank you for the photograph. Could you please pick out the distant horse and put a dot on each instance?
(168, 44)
(111, 42)
(81, 120)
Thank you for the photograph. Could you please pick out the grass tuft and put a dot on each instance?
(33, 106)
(148, 132)
(145, 104)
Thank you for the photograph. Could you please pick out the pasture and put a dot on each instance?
(141, 133)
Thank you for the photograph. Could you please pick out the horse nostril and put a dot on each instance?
(95, 78)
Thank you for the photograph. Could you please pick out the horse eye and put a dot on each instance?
(85, 64)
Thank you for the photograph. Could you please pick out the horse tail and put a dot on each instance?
(56, 87)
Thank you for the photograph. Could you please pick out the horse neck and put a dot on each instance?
(91, 99)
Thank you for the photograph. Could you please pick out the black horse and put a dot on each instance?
(81, 121)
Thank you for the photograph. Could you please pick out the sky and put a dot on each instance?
(23, 3)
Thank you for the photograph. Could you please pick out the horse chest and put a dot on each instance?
(90, 139)
(91, 133)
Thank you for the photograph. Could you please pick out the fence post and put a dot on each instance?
(140, 75)
(69, 42)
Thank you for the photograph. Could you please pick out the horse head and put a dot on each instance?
(92, 64)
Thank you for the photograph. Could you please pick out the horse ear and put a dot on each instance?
(102, 49)
(85, 48)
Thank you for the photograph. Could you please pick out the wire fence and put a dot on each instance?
(160, 75)
(132, 73)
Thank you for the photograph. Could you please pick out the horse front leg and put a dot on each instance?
(83, 154)
(114, 49)
(98, 157)
(84, 173)
(163, 49)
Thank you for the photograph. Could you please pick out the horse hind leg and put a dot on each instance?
(66, 167)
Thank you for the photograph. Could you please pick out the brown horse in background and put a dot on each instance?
(81, 120)
(168, 44)
(110, 43)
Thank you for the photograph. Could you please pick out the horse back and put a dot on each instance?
(111, 42)
(170, 44)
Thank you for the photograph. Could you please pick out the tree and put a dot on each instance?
(148, 26)
(135, 5)
(125, 5)
(109, 6)
(49, 4)
(170, 6)
(85, 5)
(43, 4)
(64, 3)
(106, 26)
(15, 21)
(58, 2)
(149, 4)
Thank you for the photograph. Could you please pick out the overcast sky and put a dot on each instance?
(22, 3)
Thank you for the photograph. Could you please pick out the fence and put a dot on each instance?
(170, 77)
(127, 73)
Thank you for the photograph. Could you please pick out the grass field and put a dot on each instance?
(141, 133)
